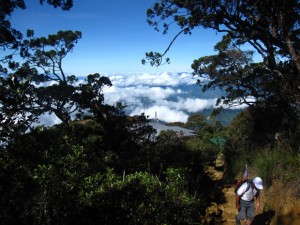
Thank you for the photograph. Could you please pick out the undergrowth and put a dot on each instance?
(277, 164)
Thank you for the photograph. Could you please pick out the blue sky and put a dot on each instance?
(115, 36)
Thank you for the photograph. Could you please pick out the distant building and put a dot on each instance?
(180, 131)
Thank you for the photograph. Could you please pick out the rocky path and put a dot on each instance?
(228, 207)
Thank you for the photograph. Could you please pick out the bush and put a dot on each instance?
(277, 164)
(143, 199)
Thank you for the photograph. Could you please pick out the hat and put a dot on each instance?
(258, 183)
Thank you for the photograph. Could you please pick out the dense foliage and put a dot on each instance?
(270, 27)
(93, 171)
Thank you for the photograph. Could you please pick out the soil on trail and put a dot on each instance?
(223, 209)
(228, 207)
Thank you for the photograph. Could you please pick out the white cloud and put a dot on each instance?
(161, 93)
(172, 96)
(193, 105)
(156, 79)
(163, 113)
(136, 94)
(176, 111)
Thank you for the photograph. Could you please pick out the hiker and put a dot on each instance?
(245, 200)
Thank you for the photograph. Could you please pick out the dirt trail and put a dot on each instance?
(228, 207)
(229, 210)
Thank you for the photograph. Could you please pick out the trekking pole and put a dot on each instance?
(246, 174)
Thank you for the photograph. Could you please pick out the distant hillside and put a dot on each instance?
(225, 117)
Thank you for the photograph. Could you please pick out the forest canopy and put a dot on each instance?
(270, 27)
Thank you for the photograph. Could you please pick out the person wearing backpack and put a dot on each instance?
(245, 196)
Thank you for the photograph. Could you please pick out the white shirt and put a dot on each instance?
(247, 195)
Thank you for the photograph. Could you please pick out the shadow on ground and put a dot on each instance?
(264, 218)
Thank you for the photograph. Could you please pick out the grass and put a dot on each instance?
(277, 164)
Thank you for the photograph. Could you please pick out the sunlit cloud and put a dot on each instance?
(164, 94)
(171, 97)
(158, 79)
(163, 113)
(193, 105)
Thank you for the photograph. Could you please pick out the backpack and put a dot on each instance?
(240, 182)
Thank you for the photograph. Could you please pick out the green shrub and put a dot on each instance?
(142, 198)
(277, 164)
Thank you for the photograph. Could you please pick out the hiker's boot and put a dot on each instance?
(237, 220)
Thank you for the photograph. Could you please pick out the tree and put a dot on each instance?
(63, 96)
(10, 38)
(270, 27)
(47, 54)
(196, 122)
(40, 85)
(17, 111)
(18, 108)
(58, 93)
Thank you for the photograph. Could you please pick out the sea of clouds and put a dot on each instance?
(171, 97)
(167, 96)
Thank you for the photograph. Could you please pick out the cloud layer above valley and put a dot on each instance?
(170, 96)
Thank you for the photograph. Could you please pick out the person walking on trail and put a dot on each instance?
(245, 196)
